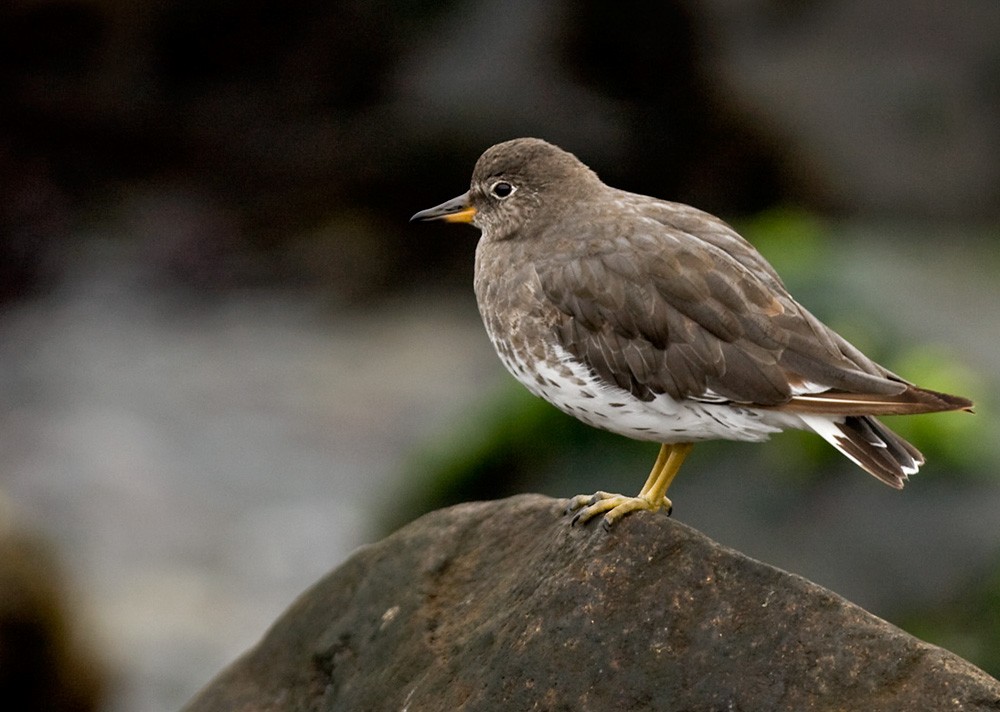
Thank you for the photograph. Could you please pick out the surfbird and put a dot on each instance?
(657, 321)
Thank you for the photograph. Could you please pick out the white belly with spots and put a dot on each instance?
(575, 391)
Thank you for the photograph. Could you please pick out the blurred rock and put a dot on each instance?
(504, 604)
(43, 664)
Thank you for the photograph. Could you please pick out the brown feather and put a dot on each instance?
(878, 450)
(693, 284)
(912, 401)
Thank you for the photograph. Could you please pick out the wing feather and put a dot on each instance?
(677, 303)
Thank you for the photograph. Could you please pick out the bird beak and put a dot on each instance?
(454, 210)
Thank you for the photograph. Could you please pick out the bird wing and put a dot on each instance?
(678, 303)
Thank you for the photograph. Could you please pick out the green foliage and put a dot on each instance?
(498, 450)
(792, 240)
(961, 441)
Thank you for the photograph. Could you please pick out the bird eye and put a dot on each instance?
(502, 189)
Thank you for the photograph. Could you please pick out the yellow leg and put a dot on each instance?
(652, 497)
(668, 471)
(661, 460)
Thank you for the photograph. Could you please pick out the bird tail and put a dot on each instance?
(870, 445)
(910, 401)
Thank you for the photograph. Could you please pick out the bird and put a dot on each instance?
(657, 321)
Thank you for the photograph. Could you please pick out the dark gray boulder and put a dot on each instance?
(504, 605)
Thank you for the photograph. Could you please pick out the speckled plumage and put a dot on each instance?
(658, 321)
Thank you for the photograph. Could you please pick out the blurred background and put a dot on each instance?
(226, 360)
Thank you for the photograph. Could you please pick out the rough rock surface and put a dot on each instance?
(504, 605)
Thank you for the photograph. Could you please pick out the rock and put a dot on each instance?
(504, 605)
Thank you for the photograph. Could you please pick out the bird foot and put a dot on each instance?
(615, 506)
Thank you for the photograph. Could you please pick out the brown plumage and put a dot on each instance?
(658, 321)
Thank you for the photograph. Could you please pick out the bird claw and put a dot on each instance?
(613, 506)
(585, 501)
